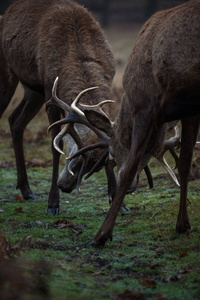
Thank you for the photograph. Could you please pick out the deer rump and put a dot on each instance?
(40, 40)
(161, 84)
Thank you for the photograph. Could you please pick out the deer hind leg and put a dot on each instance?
(141, 133)
(190, 128)
(19, 119)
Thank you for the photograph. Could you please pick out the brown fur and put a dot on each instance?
(40, 40)
(162, 84)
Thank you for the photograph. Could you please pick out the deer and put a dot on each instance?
(40, 40)
(161, 85)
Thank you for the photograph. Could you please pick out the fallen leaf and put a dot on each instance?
(148, 282)
(183, 254)
(61, 224)
(121, 255)
(66, 224)
(128, 295)
(142, 185)
(154, 266)
(19, 199)
(160, 296)
(18, 209)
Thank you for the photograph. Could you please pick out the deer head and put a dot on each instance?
(75, 115)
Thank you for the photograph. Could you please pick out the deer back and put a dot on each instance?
(165, 56)
(45, 39)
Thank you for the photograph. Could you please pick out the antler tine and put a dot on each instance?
(169, 170)
(68, 128)
(170, 145)
(75, 115)
(80, 145)
(54, 89)
(59, 137)
(88, 148)
(74, 103)
(59, 122)
(81, 173)
(174, 141)
(70, 166)
(55, 100)
(197, 146)
(99, 105)
(98, 163)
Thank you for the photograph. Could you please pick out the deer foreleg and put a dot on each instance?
(190, 128)
(112, 185)
(53, 201)
(141, 134)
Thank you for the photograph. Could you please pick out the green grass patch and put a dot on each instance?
(49, 257)
(146, 258)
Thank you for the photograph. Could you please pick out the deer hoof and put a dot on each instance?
(124, 207)
(53, 211)
(100, 242)
(29, 197)
(182, 228)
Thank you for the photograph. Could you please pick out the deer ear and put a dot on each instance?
(99, 121)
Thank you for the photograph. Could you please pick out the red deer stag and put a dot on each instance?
(161, 84)
(40, 40)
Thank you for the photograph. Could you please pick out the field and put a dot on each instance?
(49, 257)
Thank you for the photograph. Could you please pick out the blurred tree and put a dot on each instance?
(105, 14)
(150, 8)
(4, 5)
(101, 7)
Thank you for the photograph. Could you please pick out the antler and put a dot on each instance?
(59, 137)
(170, 145)
(197, 146)
(75, 115)
(98, 106)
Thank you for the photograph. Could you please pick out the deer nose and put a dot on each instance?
(65, 189)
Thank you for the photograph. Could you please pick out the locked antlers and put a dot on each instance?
(75, 115)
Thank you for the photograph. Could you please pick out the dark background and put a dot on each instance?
(109, 12)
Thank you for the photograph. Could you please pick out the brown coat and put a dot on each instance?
(40, 40)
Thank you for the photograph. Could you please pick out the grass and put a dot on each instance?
(146, 258)
(46, 257)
